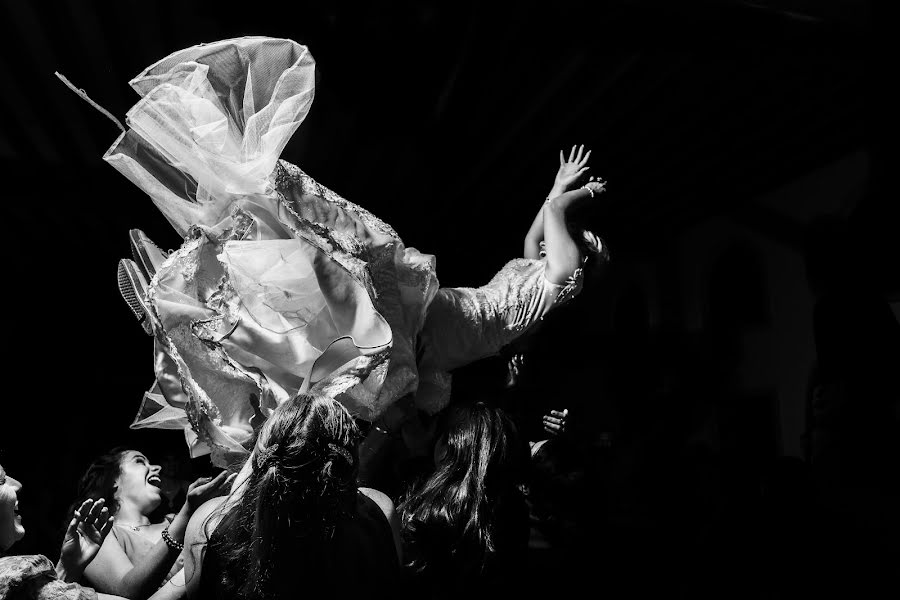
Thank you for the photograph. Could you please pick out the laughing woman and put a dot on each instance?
(34, 577)
(139, 556)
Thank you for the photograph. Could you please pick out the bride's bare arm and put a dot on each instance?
(569, 172)
(534, 237)
(563, 255)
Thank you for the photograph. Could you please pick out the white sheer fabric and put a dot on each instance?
(212, 123)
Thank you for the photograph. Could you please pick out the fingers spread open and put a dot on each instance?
(84, 510)
(73, 526)
(103, 518)
(97, 509)
(107, 527)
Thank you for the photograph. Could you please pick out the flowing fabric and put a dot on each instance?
(274, 290)
(282, 286)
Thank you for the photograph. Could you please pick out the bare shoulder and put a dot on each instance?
(381, 499)
(204, 521)
(387, 507)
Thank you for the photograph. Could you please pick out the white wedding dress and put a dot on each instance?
(282, 286)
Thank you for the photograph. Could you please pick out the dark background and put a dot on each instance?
(445, 119)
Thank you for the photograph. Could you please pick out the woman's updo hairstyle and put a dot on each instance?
(303, 482)
(307, 452)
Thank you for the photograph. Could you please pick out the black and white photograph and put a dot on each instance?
(449, 300)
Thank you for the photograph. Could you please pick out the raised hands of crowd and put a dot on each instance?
(88, 528)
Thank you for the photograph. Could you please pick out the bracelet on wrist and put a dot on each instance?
(170, 541)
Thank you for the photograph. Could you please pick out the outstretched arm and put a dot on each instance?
(465, 324)
(563, 255)
(569, 172)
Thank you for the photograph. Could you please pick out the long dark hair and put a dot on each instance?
(303, 482)
(99, 481)
(455, 522)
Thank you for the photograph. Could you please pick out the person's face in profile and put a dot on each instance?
(139, 483)
(11, 528)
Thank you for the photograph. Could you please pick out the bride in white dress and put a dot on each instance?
(282, 286)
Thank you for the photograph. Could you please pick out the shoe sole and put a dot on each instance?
(133, 288)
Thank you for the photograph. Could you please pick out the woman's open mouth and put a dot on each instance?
(155, 481)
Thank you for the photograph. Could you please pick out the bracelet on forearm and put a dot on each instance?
(590, 191)
(170, 541)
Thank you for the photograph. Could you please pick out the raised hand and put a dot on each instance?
(207, 488)
(567, 200)
(596, 185)
(570, 170)
(555, 422)
(89, 526)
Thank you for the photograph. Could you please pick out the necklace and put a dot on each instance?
(135, 528)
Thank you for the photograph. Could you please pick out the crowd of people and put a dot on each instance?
(303, 347)
(308, 351)
(296, 511)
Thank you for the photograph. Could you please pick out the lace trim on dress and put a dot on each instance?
(287, 174)
(571, 287)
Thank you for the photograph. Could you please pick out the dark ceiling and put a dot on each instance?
(446, 118)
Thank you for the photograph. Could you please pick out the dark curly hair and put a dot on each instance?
(303, 482)
(99, 481)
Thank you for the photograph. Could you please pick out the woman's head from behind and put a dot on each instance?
(11, 529)
(480, 444)
(450, 521)
(307, 451)
(302, 481)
